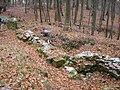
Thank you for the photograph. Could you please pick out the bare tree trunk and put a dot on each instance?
(89, 19)
(26, 1)
(76, 11)
(103, 5)
(35, 10)
(50, 4)
(40, 10)
(94, 5)
(67, 17)
(87, 5)
(54, 4)
(61, 4)
(73, 3)
(47, 14)
(118, 37)
(58, 11)
(112, 17)
(81, 14)
(108, 15)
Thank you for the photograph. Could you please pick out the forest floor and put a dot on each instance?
(21, 67)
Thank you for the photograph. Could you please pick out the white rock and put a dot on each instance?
(115, 59)
(46, 31)
(37, 38)
(70, 69)
(29, 31)
(6, 88)
(107, 57)
(116, 65)
(85, 53)
(27, 35)
(47, 47)
(41, 41)
(14, 19)
(62, 53)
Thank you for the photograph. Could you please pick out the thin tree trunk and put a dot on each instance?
(112, 17)
(73, 3)
(87, 5)
(89, 19)
(67, 17)
(47, 14)
(108, 15)
(104, 7)
(58, 11)
(54, 4)
(35, 10)
(76, 11)
(94, 3)
(40, 10)
(103, 4)
(61, 8)
(26, 6)
(50, 4)
(118, 37)
(81, 14)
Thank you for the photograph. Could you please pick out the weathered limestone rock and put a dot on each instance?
(75, 64)
(28, 33)
(102, 64)
(85, 53)
(72, 71)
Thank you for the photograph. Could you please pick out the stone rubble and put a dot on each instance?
(108, 64)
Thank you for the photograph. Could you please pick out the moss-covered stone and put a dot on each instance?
(40, 51)
(50, 60)
(59, 63)
(73, 44)
(11, 25)
(76, 44)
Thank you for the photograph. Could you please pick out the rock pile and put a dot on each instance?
(105, 64)
(83, 63)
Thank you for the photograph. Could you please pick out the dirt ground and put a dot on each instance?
(20, 63)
